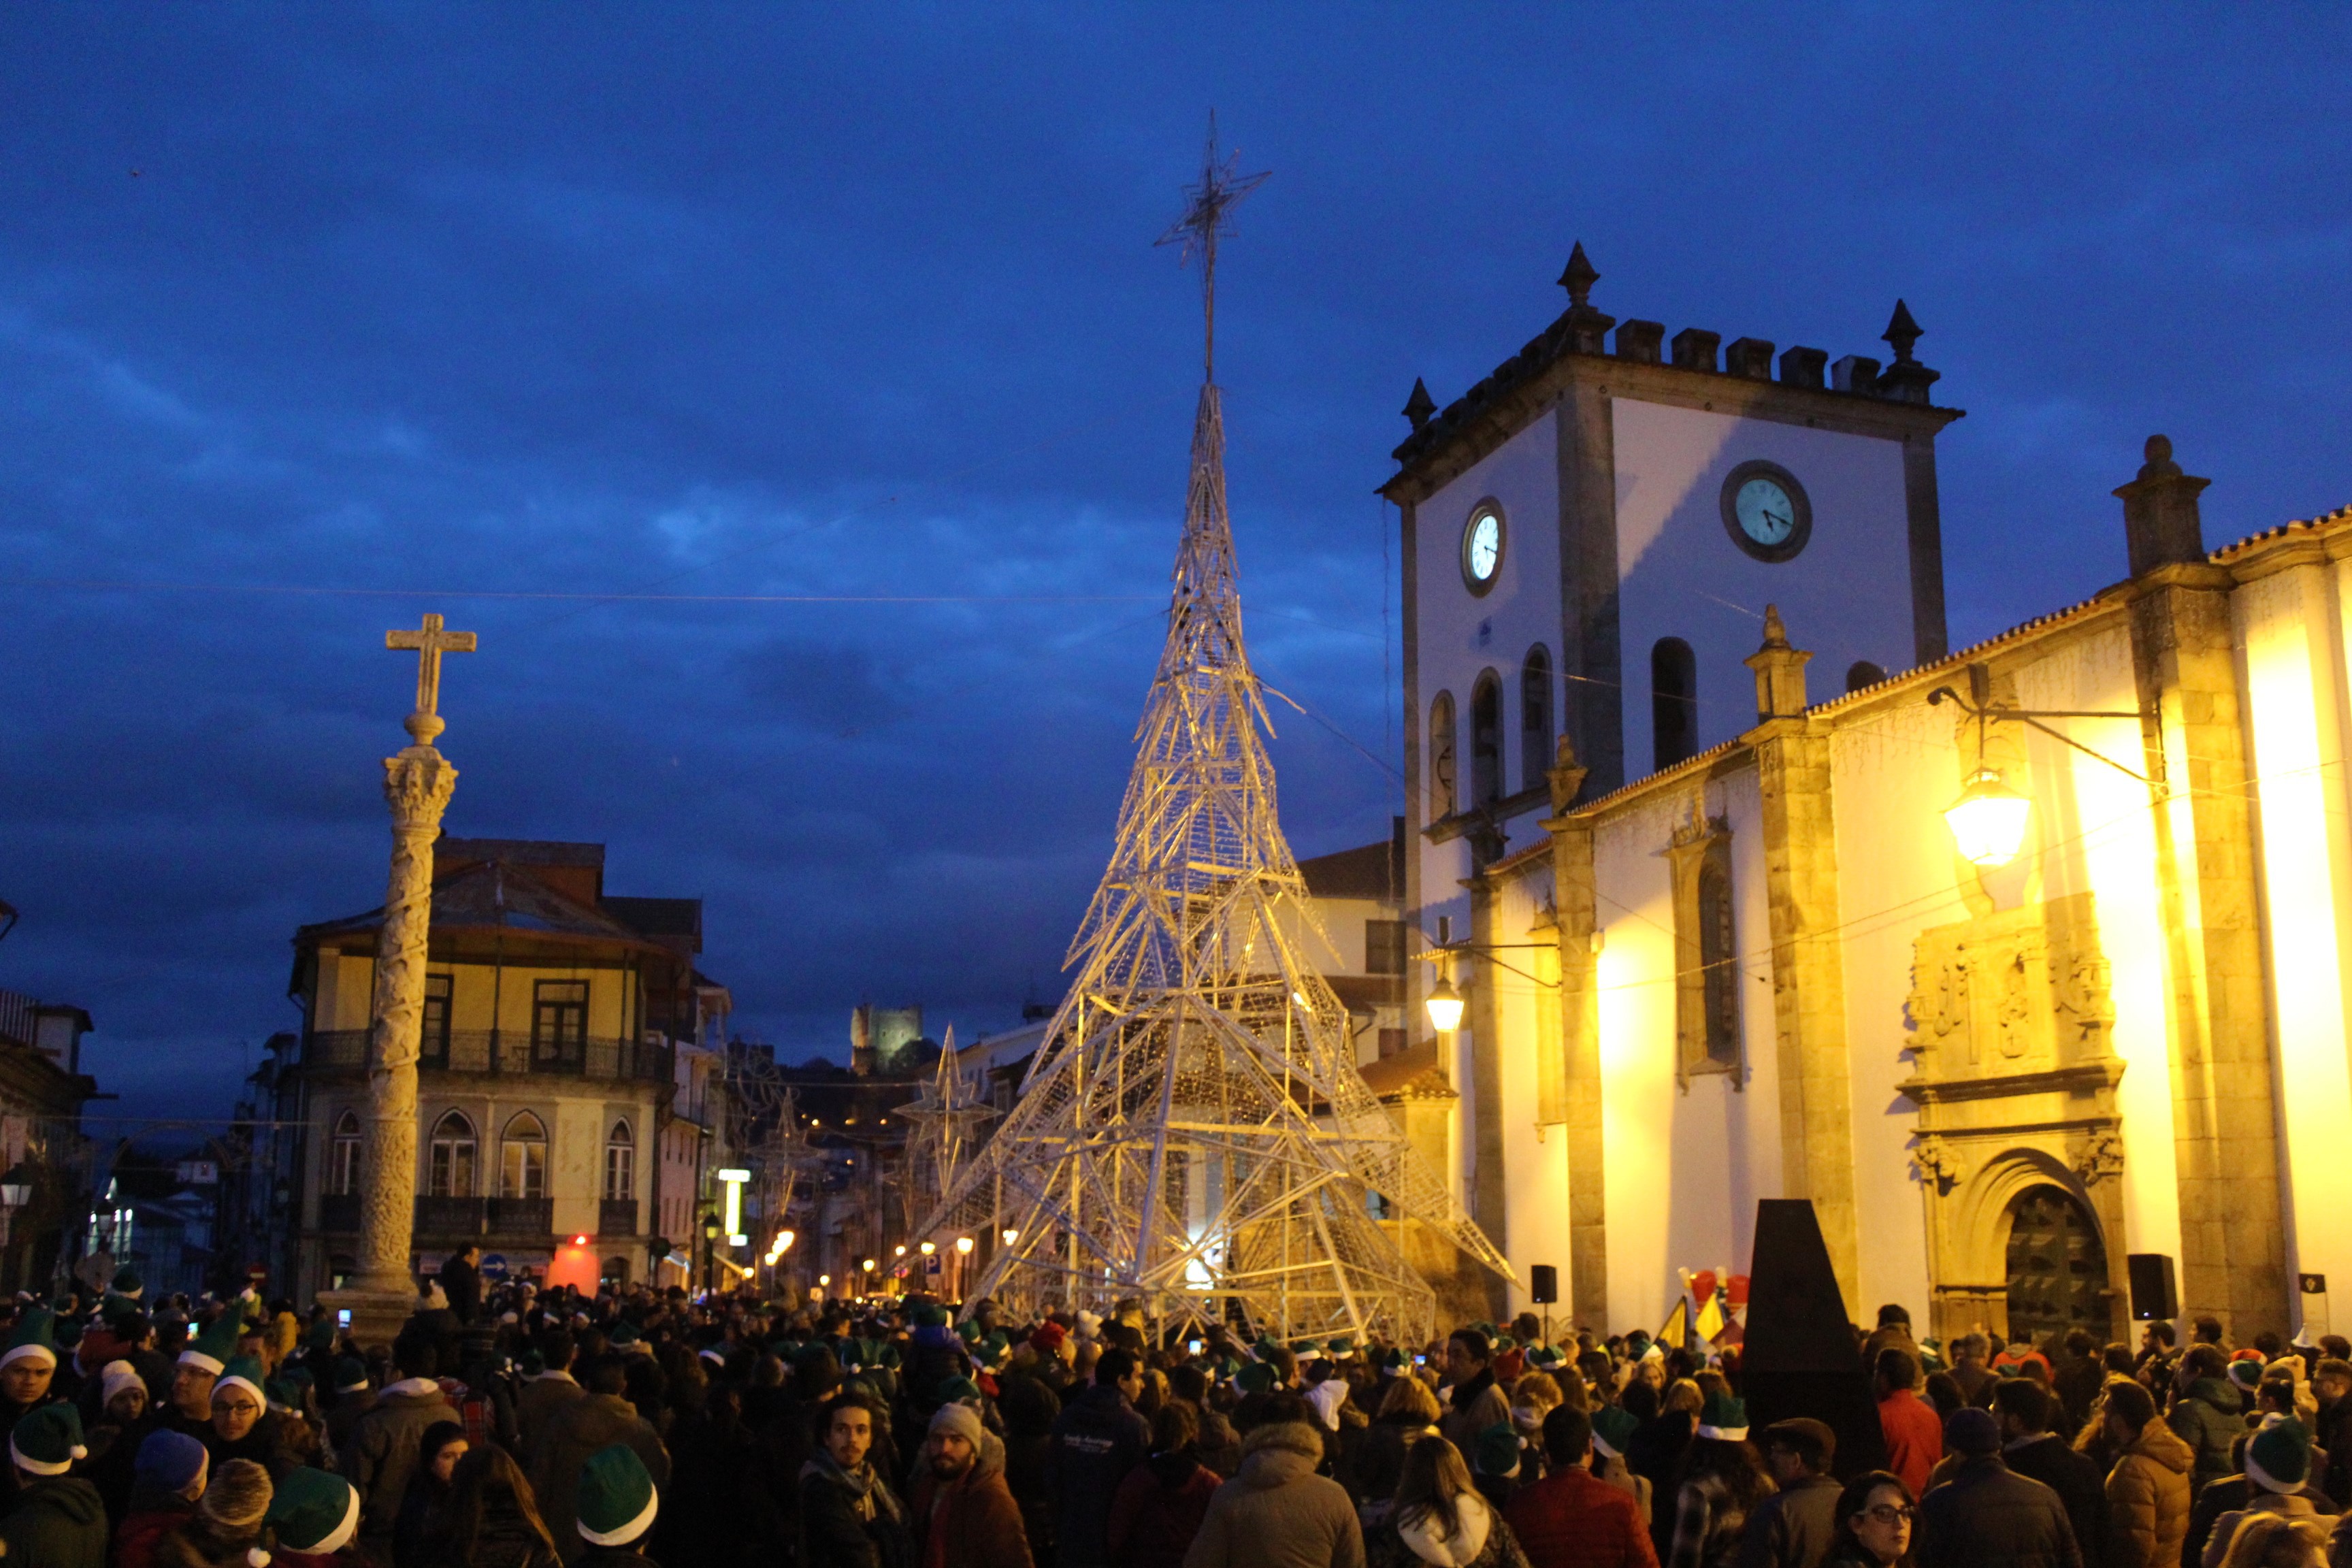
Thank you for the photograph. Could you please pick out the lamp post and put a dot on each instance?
(964, 1260)
(1987, 821)
(709, 1251)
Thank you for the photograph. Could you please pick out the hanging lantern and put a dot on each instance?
(1444, 1004)
(1988, 821)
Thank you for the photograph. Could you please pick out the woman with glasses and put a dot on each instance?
(1874, 1523)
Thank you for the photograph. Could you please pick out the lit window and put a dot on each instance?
(523, 1158)
(450, 1167)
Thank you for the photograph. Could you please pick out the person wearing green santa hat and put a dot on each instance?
(617, 1505)
(208, 1350)
(312, 1517)
(1612, 1434)
(242, 1425)
(28, 1366)
(58, 1521)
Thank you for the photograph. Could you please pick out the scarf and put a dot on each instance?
(868, 1494)
(1467, 1395)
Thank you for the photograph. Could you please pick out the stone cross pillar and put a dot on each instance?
(416, 785)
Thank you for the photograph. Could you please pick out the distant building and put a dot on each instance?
(569, 1056)
(42, 1089)
(1360, 904)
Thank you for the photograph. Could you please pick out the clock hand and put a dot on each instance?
(1775, 517)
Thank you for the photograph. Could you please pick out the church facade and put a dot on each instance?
(1716, 939)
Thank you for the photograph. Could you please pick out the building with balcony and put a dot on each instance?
(42, 1089)
(550, 1094)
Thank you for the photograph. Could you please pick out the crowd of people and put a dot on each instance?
(523, 1427)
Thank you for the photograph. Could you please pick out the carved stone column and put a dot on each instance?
(417, 783)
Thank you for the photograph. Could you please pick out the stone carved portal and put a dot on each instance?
(2010, 1019)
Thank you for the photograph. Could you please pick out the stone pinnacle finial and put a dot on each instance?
(1901, 332)
(2159, 453)
(1578, 277)
(1776, 634)
(1419, 406)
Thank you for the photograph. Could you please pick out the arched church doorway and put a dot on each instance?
(2057, 1267)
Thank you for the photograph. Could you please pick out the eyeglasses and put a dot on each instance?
(1891, 1513)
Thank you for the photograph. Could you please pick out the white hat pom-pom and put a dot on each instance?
(255, 1557)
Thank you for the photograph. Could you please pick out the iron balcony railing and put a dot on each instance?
(617, 1217)
(445, 1218)
(485, 1052)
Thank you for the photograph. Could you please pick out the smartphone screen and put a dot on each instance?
(1192, 1347)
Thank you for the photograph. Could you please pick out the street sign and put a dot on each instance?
(494, 1266)
(197, 1172)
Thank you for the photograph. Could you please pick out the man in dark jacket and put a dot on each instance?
(580, 1430)
(461, 1282)
(934, 1356)
(2332, 1382)
(2025, 1408)
(382, 1452)
(964, 1515)
(1987, 1515)
(58, 1519)
(2209, 1416)
(1097, 1438)
(1793, 1527)
(849, 1518)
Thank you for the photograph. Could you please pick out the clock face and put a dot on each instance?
(1767, 512)
(1482, 547)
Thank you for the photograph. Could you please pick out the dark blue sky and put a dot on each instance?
(728, 302)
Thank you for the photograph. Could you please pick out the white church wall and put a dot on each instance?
(2093, 830)
(1535, 1159)
(2292, 634)
(1847, 596)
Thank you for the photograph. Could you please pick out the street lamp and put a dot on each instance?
(1010, 1236)
(928, 1249)
(963, 1245)
(1444, 1004)
(709, 1252)
(1988, 821)
(17, 1187)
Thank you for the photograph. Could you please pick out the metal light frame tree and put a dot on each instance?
(1194, 1134)
(944, 1122)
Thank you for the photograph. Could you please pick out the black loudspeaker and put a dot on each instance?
(1543, 1284)
(2155, 1293)
(1799, 1356)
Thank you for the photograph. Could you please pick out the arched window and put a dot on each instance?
(1534, 718)
(1861, 673)
(1718, 955)
(523, 1158)
(450, 1168)
(1486, 740)
(620, 1163)
(1442, 799)
(343, 1156)
(1674, 703)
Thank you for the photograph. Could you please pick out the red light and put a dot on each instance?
(579, 1241)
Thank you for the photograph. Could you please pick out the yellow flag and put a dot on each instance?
(1677, 1333)
(1711, 1319)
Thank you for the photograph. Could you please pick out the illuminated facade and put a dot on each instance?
(1716, 950)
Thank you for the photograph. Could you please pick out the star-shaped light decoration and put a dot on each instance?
(1207, 207)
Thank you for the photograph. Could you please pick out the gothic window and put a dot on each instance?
(343, 1156)
(1706, 951)
(1674, 703)
(620, 1163)
(450, 1167)
(433, 1043)
(1442, 799)
(559, 1023)
(1861, 673)
(1534, 718)
(523, 1158)
(1486, 741)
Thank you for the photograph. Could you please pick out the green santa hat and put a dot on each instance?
(1612, 1429)
(243, 1372)
(617, 1501)
(313, 1512)
(210, 1349)
(35, 1338)
(1340, 1348)
(1256, 1378)
(127, 1283)
(1723, 1420)
(48, 1440)
(2278, 1458)
(1495, 1451)
(351, 1374)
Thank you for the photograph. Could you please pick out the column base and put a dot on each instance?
(378, 1314)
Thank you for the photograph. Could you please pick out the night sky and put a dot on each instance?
(313, 319)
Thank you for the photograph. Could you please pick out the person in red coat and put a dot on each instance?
(1572, 1520)
(964, 1514)
(1160, 1506)
(1914, 1433)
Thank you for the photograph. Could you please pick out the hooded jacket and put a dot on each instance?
(1097, 1438)
(382, 1454)
(1278, 1512)
(1158, 1509)
(2148, 1500)
(2209, 1417)
(972, 1520)
(58, 1521)
(1989, 1516)
(578, 1430)
(1482, 1540)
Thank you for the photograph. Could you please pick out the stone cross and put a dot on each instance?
(418, 784)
